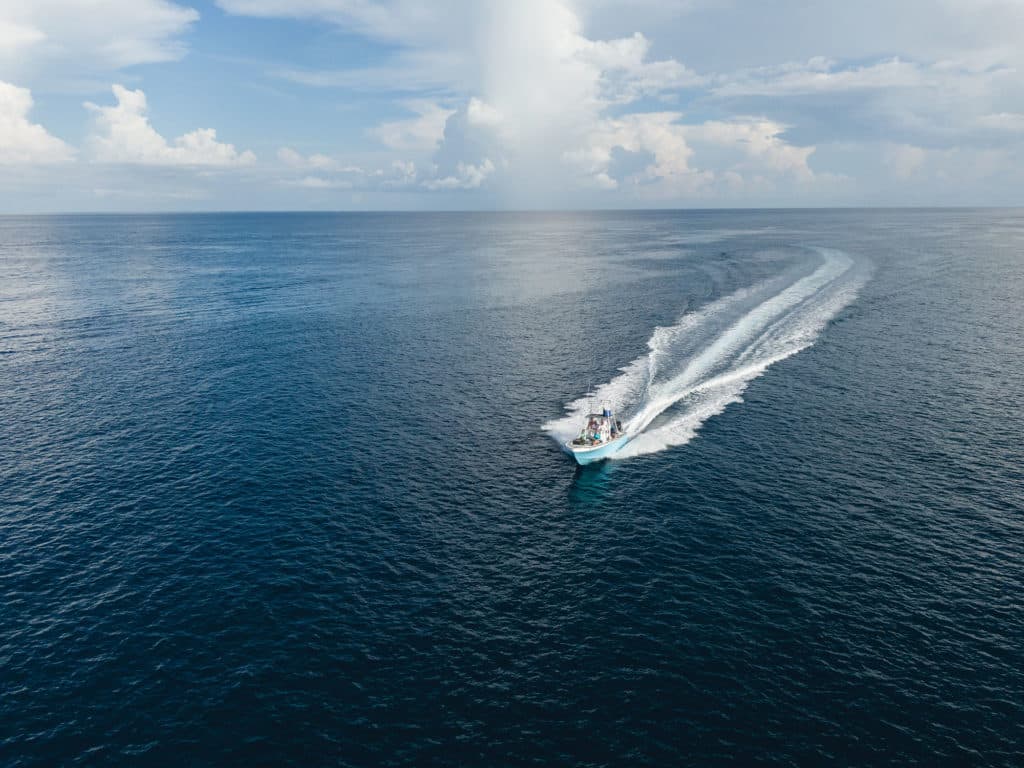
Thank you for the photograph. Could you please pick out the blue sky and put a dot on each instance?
(124, 105)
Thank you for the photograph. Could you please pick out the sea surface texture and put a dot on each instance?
(289, 489)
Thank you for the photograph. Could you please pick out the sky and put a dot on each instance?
(181, 105)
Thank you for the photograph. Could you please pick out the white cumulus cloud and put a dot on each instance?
(761, 143)
(294, 159)
(466, 176)
(22, 141)
(421, 133)
(674, 159)
(480, 113)
(123, 134)
(654, 135)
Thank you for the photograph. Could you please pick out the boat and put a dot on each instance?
(601, 436)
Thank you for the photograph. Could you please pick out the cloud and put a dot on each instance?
(123, 134)
(970, 99)
(334, 174)
(23, 142)
(402, 173)
(407, 21)
(15, 37)
(466, 46)
(506, 131)
(372, 17)
(481, 114)
(555, 102)
(466, 176)
(289, 156)
(531, 140)
(293, 159)
(759, 141)
(538, 105)
(418, 134)
(318, 182)
(407, 71)
(625, 73)
(904, 159)
(667, 157)
(819, 75)
(656, 134)
(95, 34)
(1012, 122)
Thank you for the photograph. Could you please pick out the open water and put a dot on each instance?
(287, 489)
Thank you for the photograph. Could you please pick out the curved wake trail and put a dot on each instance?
(697, 367)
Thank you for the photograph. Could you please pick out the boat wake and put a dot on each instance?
(697, 367)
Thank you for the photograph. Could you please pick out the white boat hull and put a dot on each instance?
(588, 454)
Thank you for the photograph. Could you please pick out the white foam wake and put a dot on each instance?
(697, 367)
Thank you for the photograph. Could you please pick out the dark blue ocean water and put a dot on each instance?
(286, 489)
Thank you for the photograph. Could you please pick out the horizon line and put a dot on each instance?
(378, 211)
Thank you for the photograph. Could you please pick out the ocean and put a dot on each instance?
(287, 489)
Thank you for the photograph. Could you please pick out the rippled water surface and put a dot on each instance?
(287, 489)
